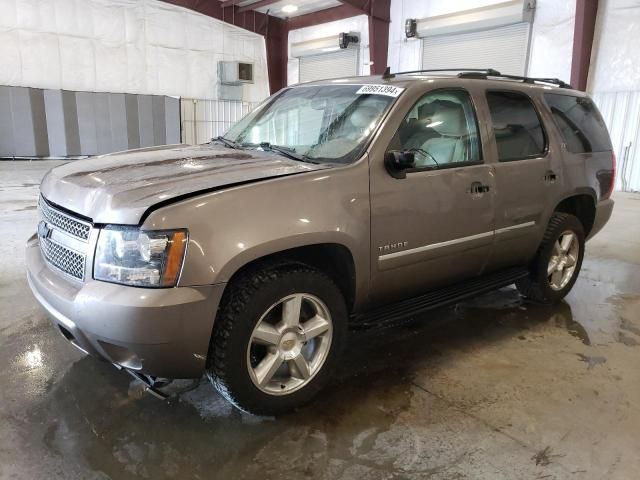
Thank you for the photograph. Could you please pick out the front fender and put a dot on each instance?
(278, 245)
(235, 226)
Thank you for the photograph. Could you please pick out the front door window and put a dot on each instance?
(441, 130)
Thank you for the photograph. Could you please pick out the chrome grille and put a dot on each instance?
(63, 258)
(63, 240)
(64, 222)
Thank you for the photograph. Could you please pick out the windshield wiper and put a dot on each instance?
(286, 151)
(226, 142)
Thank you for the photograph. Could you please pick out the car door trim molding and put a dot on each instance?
(515, 227)
(455, 241)
(433, 246)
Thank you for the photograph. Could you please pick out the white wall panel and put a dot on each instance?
(129, 46)
(552, 39)
(621, 113)
(615, 62)
(614, 80)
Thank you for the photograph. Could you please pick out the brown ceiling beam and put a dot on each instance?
(230, 3)
(359, 4)
(374, 8)
(323, 16)
(254, 6)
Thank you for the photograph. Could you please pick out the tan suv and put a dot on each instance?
(338, 204)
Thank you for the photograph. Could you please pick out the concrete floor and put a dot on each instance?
(492, 389)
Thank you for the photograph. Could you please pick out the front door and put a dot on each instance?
(434, 226)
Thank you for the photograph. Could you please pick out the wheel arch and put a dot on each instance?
(582, 205)
(334, 259)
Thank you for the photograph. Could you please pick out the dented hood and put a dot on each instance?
(121, 187)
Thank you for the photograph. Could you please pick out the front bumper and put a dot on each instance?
(158, 332)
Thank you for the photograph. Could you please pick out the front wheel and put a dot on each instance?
(557, 264)
(277, 338)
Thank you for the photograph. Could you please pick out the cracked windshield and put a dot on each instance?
(317, 124)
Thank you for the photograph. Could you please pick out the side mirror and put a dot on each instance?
(398, 162)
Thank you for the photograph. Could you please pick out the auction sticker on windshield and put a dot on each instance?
(388, 90)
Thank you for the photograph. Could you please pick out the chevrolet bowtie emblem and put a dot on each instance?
(44, 231)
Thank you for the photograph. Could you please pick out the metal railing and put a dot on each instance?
(203, 119)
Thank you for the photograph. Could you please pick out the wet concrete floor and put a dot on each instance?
(494, 388)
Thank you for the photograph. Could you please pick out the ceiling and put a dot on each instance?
(275, 7)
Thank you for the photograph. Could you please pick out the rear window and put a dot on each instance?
(580, 123)
(516, 125)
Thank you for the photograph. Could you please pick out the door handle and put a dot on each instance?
(550, 177)
(478, 188)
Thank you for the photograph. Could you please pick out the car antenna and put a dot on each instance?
(387, 74)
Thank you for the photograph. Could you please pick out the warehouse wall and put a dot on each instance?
(358, 24)
(551, 40)
(614, 81)
(128, 46)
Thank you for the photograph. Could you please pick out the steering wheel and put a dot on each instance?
(426, 154)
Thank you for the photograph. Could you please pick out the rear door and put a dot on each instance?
(435, 226)
(525, 176)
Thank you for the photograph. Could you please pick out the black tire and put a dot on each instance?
(536, 286)
(246, 300)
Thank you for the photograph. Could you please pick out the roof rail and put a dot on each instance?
(486, 71)
(495, 74)
(481, 73)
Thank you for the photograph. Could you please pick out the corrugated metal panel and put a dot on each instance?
(503, 48)
(204, 119)
(621, 113)
(61, 123)
(341, 63)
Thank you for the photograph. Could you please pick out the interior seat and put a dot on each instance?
(451, 146)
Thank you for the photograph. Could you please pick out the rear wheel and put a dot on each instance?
(276, 338)
(558, 261)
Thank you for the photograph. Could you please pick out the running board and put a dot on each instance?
(396, 313)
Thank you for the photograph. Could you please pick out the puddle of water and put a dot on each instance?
(591, 361)
(94, 414)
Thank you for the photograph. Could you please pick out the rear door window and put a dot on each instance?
(579, 122)
(516, 125)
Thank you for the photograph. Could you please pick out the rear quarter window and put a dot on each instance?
(579, 122)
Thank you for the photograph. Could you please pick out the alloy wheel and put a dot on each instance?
(564, 258)
(289, 344)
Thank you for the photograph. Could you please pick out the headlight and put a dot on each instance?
(140, 258)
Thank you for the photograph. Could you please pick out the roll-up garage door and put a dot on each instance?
(502, 48)
(341, 63)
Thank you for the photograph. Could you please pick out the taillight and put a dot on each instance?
(613, 175)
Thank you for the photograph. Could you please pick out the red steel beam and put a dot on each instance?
(230, 3)
(379, 20)
(379, 9)
(254, 6)
(586, 12)
(323, 16)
